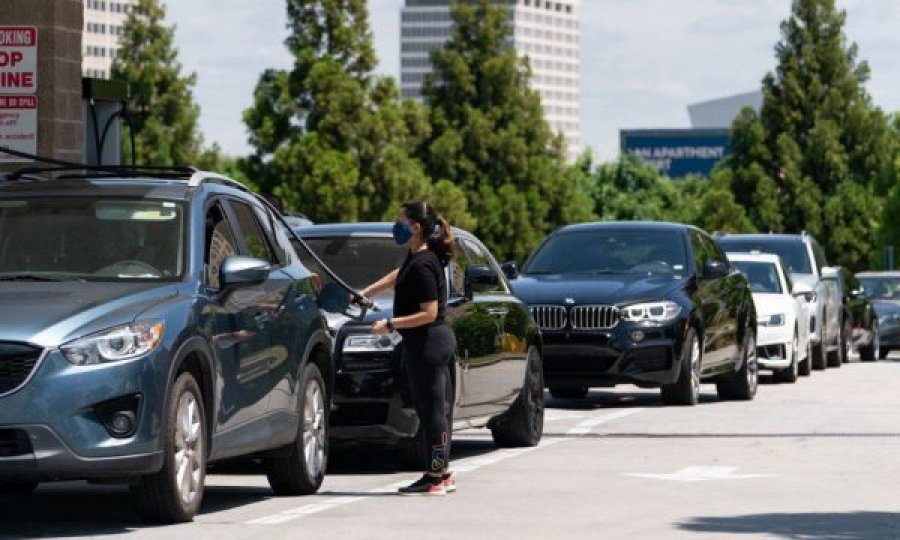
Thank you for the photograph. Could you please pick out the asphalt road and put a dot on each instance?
(819, 460)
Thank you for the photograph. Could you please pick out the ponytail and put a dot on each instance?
(437, 232)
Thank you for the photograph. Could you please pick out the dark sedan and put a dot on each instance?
(883, 290)
(651, 304)
(498, 370)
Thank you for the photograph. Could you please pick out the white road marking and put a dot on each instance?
(556, 416)
(701, 474)
(586, 426)
(461, 466)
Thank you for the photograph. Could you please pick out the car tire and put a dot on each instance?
(806, 366)
(836, 357)
(820, 354)
(872, 351)
(791, 373)
(523, 424)
(685, 391)
(743, 383)
(301, 468)
(171, 496)
(17, 489)
(577, 392)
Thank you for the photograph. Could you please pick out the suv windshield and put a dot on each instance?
(792, 252)
(358, 260)
(95, 239)
(763, 276)
(881, 288)
(610, 252)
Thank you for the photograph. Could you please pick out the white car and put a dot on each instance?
(783, 315)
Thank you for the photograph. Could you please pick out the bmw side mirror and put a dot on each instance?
(715, 270)
(242, 271)
(510, 269)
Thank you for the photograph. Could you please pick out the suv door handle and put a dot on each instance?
(498, 312)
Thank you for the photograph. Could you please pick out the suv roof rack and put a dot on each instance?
(206, 177)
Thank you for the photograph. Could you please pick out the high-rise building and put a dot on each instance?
(104, 25)
(546, 31)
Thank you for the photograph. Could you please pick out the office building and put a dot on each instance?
(104, 25)
(721, 112)
(546, 31)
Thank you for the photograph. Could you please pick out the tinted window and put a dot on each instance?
(457, 270)
(477, 256)
(256, 242)
(220, 244)
(792, 252)
(92, 238)
(763, 276)
(702, 253)
(819, 254)
(610, 251)
(274, 232)
(884, 288)
(358, 260)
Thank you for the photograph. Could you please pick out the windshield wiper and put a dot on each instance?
(38, 277)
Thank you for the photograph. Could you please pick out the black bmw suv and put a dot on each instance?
(651, 304)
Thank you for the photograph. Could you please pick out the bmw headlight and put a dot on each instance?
(772, 320)
(367, 343)
(651, 311)
(114, 345)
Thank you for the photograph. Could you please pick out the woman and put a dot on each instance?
(428, 346)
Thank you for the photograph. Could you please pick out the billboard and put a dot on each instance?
(678, 152)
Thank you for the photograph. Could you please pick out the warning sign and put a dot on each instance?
(18, 60)
(18, 125)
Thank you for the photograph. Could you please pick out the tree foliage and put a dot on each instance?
(489, 138)
(163, 114)
(815, 159)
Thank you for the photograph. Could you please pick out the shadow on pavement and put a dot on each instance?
(78, 509)
(803, 526)
(616, 400)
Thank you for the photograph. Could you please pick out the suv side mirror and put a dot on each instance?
(239, 271)
(802, 290)
(715, 270)
(510, 269)
(481, 278)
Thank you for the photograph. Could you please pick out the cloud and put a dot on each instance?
(643, 61)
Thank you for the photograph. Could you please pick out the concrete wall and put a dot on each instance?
(59, 24)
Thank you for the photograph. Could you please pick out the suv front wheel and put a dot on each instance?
(742, 384)
(174, 494)
(301, 470)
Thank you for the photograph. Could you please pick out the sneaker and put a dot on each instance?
(427, 485)
(449, 482)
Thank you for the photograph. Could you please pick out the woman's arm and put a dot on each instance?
(382, 284)
(427, 315)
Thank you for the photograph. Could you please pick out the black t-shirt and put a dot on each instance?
(420, 280)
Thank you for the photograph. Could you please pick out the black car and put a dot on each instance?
(651, 304)
(498, 378)
(860, 318)
(883, 290)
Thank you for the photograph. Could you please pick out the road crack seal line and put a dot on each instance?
(462, 466)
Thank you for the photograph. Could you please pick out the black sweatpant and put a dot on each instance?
(427, 356)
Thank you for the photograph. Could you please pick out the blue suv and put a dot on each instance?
(152, 322)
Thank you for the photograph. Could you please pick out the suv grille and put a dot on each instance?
(594, 317)
(16, 364)
(550, 317)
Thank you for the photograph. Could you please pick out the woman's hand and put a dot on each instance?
(380, 328)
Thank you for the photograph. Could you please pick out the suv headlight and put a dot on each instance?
(771, 320)
(114, 345)
(367, 343)
(651, 311)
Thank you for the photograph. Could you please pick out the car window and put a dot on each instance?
(819, 255)
(457, 270)
(762, 276)
(701, 251)
(792, 251)
(358, 260)
(273, 230)
(255, 241)
(478, 257)
(713, 251)
(787, 276)
(220, 245)
(882, 288)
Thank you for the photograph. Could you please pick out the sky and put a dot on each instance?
(643, 61)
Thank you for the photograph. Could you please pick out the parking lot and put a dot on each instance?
(794, 463)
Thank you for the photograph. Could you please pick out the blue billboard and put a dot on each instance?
(677, 153)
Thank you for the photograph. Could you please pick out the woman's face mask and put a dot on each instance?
(402, 232)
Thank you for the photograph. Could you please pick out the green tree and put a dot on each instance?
(816, 157)
(330, 138)
(489, 137)
(163, 113)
